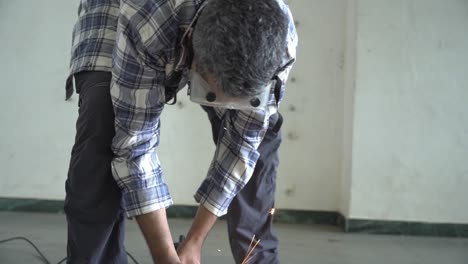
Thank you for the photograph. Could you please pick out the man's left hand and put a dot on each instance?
(189, 253)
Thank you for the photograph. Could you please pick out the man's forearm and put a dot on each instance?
(190, 250)
(201, 226)
(155, 229)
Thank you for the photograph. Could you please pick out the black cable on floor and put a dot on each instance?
(31, 243)
(44, 259)
(134, 260)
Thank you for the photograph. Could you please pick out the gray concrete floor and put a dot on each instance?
(299, 244)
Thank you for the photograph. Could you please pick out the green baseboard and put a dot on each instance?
(281, 216)
(406, 228)
(31, 205)
(176, 211)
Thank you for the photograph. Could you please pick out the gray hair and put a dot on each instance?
(241, 42)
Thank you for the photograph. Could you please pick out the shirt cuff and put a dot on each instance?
(146, 200)
(214, 200)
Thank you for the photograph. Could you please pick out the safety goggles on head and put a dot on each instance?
(202, 93)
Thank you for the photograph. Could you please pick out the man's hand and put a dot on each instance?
(189, 253)
(190, 250)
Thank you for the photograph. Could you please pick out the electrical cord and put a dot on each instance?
(44, 259)
(31, 243)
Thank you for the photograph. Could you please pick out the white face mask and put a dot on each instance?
(202, 93)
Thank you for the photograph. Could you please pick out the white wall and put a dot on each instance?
(348, 105)
(376, 122)
(410, 142)
(311, 157)
(38, 125)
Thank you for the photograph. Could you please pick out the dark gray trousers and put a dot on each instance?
(249, 212)
(93, 200)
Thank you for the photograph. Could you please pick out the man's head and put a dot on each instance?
(239, 44)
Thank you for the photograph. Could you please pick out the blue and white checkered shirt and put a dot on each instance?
(150, 64)
(93, 38)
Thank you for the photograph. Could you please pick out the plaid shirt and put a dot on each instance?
(93, 38)
(150, 64)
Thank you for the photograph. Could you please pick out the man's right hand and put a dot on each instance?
(189, 253)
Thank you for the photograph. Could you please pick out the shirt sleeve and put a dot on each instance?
(137, 92)
(235, 158)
